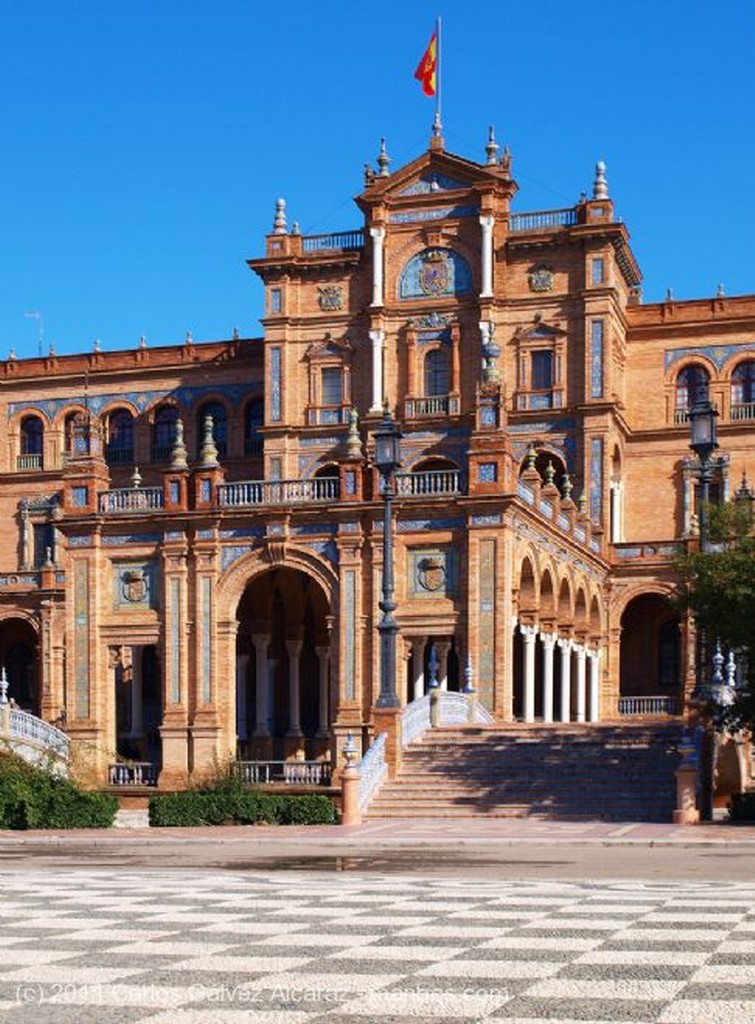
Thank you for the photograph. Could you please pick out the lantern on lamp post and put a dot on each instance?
(387, 460)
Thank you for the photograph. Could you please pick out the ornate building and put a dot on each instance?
(192, 535)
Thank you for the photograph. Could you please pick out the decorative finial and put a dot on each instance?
(383, 160)
(369, 175)
(718, 664)
(235, 335)
(11, 354)
(582, 197)
(208, 457)
(437, 126)
(349, 751)
(52, 349)
(142, 341)
(600, 185)
(731, 669)
(295, 228)
(136, 478)
(433, 668)
(720, 293)
(506, 161)
(279, 224)
(566, 486)
(468, 676)
(353, 440)
(189, 338)
(97, 345)
(491, 149)
(3, 686)
(178, 454)
(49, 564)
(669, 295)
(531, 457)
(550, 473)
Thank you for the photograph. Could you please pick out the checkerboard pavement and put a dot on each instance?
(95, 946)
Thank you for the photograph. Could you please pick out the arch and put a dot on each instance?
(743, 390)
(547, 596)
(565, 606)
(690, 380)
(328, 471)
(596, 619)
(527, 587)
(434, 464)
(32, 432)
(436, 373)
(580, 610)
(19, 654)
(650, 651)
(435, 273)
(545, 460)
(119, 436)
(164, 420)
(254, 418)
(217, 410)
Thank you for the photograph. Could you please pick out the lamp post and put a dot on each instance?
(703, 442)
(387, 460)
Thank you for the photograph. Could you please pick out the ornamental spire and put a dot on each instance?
(491, 149)
(279, 223)
(600, 185)
(383, 160)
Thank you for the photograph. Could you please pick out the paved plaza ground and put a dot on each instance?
(434, 922)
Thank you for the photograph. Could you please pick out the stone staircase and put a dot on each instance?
(587, 772)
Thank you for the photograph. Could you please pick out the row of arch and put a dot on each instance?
(696, 377)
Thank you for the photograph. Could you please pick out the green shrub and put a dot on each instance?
(31, 797)
(235, 805)
(742, 807)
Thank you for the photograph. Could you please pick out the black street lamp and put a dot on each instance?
(703, 442)
(387, 460)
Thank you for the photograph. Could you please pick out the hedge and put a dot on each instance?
(239, 807)
(31, 797)
(742, 807)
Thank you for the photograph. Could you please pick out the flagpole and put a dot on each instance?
(438, 122)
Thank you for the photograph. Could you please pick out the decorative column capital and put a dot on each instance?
(378, 234)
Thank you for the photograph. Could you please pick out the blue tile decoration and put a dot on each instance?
(487, 472)
(232, 553)
(123, 539)
(596, 359)
(596, 478)
(435, 273)
(417, 525)
(275, 384)
(432, 182)
(491, 520)
(135, 586)
(719, 355)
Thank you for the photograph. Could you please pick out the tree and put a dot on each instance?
(718, 588)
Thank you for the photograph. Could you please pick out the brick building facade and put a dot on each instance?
(192, 535)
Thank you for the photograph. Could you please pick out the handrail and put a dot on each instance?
(279, 492)
(658, 704)
(132, 773)
(337, 240)
(442, 481)
(26, 726)
(453, 709)
(537, 220)
(290, 773)
(372, 769)
(131, 499)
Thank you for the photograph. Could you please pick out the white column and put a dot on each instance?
(294, 650)
(593, 714)
(264, 674)
(137, 724)
(549, 642)
(486, 223)
(418, 668)
(565, 644)
(242, 667)
(377, 338)
(378, 238)
(443, 647)
(323, 662)
(616, 526)
(581, 681)
(529, 633)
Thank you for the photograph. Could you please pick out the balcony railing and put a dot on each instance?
(654, 705)
(132, 499)
(540, 220)
(442, 481)
(337, 240)
(279, 492)
(119, 456)
(25, 726)
(743, 411)
(289, 773)
(29, 461)
(133, 773)
(435, 406)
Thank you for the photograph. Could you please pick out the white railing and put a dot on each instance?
(654, 705)
(25, 726)
(443, 481)
(435, 406)
(453, 709)
(336, 240)
(537, 220)
(743, 411)
(279, 492)
(132, 773)
(29, 462)
(132, 499)
(290, 773)
(372, 769)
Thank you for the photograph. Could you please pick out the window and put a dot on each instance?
(32, 438)
(598, 270)
(436, 373)
(690, 382)
(164, 433)
(542, 370)
(669, 655)
(253, 419)
(276, 302)
(331, 382)
(219, 426)
(120, 437)
(743, 391)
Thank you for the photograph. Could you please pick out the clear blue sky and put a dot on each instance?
(144, 143)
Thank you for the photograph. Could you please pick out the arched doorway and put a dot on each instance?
(651, 662)
(283, 705)
(19, 655)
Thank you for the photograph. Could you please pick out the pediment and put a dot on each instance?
(329, 348)
(539, 331)
(432, 173)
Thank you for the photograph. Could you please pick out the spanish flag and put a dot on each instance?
(425, 72)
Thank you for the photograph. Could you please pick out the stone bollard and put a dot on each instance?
(435, 707)
(686, 812)
(350, 812)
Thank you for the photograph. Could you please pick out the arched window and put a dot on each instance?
(32, 441)
(743, 391)
(436, 373)
(219, 426)
(690, 382)
(164, 433)
(254, 417)
(120, 437)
